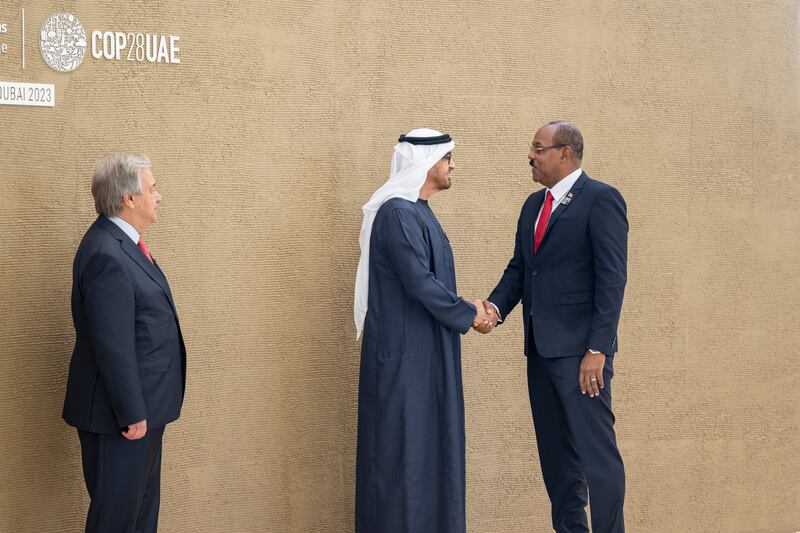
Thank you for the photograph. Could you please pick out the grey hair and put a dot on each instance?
(115, 176)
(568, 134)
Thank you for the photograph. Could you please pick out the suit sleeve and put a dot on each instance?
(608, 230)
(406, 247)
(109, 304)
(508, 292)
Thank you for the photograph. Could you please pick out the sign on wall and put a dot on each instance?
(33, 94)
(63, 42)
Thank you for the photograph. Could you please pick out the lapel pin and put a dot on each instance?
(567, 199)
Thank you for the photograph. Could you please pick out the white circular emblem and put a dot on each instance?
(63, 42)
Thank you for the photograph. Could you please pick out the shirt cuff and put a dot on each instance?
(497, 310)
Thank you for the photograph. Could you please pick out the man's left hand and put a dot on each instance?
(591, 374)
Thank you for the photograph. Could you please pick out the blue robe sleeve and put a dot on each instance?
(608, 229)
(404, 240)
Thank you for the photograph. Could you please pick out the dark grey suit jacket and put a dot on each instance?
(129, 361)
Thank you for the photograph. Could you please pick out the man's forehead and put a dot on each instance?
(543, 134)
(146, 175)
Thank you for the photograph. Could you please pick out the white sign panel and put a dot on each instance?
(34, 94)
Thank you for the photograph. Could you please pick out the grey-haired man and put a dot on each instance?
(128, 370)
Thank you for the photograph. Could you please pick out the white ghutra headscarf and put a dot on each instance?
(414, 155)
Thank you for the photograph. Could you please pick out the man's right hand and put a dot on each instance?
(136, 431)
(486, 318)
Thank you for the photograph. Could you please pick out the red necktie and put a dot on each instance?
(544, 218)
(143, 248)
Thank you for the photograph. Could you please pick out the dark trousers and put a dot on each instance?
(123, 478)
(577, 445)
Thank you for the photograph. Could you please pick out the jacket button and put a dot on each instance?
(535, 273)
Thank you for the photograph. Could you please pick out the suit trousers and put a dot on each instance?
(577, 445)
(123, 478)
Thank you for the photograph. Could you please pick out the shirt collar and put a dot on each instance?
(129, 230)
(561, 188)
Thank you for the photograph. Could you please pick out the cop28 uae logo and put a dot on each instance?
(63, 42)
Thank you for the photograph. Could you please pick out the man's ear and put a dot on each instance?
(127, 199)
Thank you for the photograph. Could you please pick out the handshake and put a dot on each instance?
(486, 318)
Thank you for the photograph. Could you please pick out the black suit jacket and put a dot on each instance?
(572, 288)
(129, 361)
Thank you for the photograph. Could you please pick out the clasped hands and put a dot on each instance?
(486, 318)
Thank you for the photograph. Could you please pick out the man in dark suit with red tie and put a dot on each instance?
(128, 370)
(569, 270)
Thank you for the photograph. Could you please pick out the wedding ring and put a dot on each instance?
(594, 379)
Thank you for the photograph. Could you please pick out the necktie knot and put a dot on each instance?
(143, 248)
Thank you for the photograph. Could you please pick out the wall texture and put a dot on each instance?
(277, 126)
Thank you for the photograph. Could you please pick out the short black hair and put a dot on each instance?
(568, 134)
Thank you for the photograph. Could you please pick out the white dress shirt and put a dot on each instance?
(129, 230)
(559, 191)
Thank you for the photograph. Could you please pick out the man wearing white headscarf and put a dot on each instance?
(410, 467)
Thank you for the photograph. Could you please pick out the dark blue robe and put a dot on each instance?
(410, 467)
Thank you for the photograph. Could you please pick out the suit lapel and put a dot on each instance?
(133, 251)
(165, 285)
(572, 195)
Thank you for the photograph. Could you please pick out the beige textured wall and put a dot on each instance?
(276, 128)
